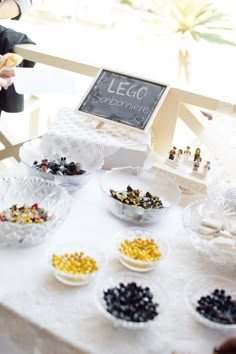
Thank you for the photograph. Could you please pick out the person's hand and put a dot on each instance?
(5, 83)
(6, 78)
(7, 73)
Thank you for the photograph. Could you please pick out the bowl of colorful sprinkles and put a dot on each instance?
(74, 264)
(211, 299)
(131, 300)
(140, 249)
(138, 195)
(32, 209)
(71, 171)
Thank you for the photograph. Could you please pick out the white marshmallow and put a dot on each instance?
(233, 228)
(211, 222)
(206, 230)
(223, 242)
(226, 234)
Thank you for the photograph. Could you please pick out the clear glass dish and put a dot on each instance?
(134, 264)
(192, 217)
(31, 190)
(145, 180)
(72, 247)
(159, 296)
(203, 286)
(90, 157)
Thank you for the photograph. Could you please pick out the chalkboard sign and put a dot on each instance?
(123, 99)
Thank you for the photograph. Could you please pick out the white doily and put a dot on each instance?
(70, 128)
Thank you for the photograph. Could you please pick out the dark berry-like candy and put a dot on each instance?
(130, 302)
(217, 307)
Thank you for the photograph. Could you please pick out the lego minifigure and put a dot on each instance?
(196, 164)
(187, 153)
(172, 153)
(197, 154)
(178, 155)
(206, 168)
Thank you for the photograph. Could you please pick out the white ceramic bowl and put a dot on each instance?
(145, 180)
(159, 296)
(134, 264)
(70, 248)
(31, 190)
(203, 286)
(90, 158)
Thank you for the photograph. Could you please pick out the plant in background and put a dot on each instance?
(197, 20)
(190, 21)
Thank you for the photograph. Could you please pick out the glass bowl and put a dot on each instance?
(70, 248)
(134, 264)
(90, 158)
(31, 190)
(205, 208)
(159, 296)
(204, 286)
(146, 181)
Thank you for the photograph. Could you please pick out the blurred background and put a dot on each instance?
(187, 43)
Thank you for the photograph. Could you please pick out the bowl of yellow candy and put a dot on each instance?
(73, 263)
(140, 249)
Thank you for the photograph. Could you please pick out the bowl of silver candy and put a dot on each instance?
(72, 171)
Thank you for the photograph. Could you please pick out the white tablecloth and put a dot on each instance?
(43, 316)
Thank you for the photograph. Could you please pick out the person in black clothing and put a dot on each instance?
(10, 101)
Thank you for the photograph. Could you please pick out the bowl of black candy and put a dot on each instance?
(72, 171)
(212, 301)
(138, 195)
(131, 300)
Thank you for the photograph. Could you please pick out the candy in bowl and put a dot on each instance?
(131, 300)
(74, 263)
(211, 300)
(71, 170)
(211, 224)
(140, 249)
(138, 195)
(32, 209)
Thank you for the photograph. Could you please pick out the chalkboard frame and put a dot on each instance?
(120, 124)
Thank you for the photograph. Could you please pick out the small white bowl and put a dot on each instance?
(159, 296)
(134, 264)
(203, 286)
(90, 158)
(74, 279)
(146, 180)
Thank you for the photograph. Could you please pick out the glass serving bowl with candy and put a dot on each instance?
(138, 195)
(211, 226)
(211, 300)
(130, 300)
(140, 249)
(74, 263)
(32, 209)
(72, 170)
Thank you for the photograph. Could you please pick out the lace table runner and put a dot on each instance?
(70, 129)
